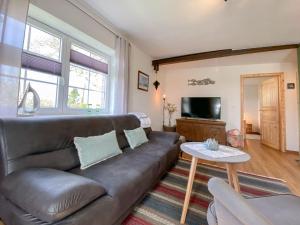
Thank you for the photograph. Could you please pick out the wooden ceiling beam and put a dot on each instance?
(218, 54)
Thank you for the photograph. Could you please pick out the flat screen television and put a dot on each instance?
(201, 107)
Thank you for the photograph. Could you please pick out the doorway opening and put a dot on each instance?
(263, 109)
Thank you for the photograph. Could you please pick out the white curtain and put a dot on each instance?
(13, 15)
(121, 79)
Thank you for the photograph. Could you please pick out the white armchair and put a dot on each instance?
(230, 208)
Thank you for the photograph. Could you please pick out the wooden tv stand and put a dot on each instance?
(200, 130)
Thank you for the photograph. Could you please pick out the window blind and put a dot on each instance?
(41, 64)
(87, 61)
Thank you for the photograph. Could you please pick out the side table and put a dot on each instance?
(230, 162)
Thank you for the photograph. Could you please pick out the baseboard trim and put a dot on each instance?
(292, 152)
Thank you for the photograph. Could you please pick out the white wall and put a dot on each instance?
(226, 72)
(70, 14)
(140, 101)
(251, 106)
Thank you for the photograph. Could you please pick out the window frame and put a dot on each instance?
(66, 78)
(44, 110)
(49, 30)
(45, 28)
(63, 80)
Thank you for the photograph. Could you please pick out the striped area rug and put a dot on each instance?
(163, 205)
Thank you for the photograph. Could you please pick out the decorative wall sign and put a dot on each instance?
(290, 85)
(194, 82)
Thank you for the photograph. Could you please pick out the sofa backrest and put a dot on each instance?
(48, 141)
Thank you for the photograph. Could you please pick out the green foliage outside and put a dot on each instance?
(75, 100)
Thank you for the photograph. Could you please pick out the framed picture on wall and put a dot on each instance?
(143, 81)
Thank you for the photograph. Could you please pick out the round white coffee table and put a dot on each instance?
(198, 151)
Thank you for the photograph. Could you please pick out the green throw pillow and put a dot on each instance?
(94, 149)
(136, 137)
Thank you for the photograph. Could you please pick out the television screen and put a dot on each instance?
(201, 107)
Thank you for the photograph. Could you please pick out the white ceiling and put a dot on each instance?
(165, 28)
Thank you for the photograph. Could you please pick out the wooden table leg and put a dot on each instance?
(189, 189)
(233, 177)
(229, 174)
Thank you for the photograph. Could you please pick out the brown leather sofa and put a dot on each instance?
(41, 182)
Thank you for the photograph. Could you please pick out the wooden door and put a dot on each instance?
(269, 113)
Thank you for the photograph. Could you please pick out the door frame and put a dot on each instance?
(281, 101)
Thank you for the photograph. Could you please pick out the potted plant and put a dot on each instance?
(171, 108)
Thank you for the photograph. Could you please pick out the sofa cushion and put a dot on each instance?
(49, 195)
(120, 123)
(94, 149)
(136, 137)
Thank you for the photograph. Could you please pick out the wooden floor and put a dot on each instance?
(268, 162)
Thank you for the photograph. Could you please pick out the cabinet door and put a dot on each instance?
(214, 132)
(186, 130)
(199, 132)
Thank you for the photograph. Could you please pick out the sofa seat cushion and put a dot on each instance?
(167, 153)
(279, 209)
(49, 195)
(125, 177)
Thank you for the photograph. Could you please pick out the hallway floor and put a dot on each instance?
(252, 136)
(268, 162)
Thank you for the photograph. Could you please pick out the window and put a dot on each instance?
(49, 58)
(87, 81)
(42, 43)
(45, 85)
(41, 47)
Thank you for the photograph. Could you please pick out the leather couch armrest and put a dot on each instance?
(165, 137)
(49, 195)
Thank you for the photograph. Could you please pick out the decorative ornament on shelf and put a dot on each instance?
(30, 102)
(212, 144)
(194, 82)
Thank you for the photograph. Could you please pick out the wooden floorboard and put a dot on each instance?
(268, 162)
